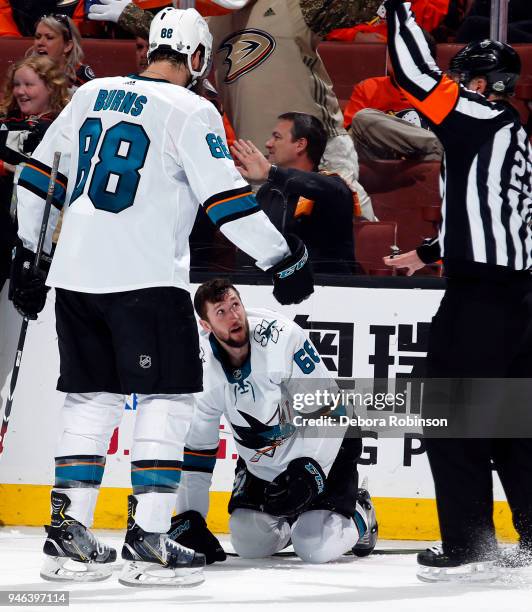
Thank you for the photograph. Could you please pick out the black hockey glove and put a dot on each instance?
(190, 529)
(293, 280)
(27, 289)
(294, 490)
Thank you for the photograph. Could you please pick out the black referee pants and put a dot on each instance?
(483, 329)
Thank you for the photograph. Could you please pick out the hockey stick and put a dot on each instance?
(288, 554)
(25, 320)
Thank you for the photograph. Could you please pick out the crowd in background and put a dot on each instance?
(378, 118)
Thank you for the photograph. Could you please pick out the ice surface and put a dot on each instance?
(380, 583)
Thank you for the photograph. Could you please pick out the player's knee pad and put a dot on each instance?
(88, 422)
(257, 534)
(319, 536)
(161, 425)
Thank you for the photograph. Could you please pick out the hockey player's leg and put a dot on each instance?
(462, 475)
(319, 536)
(152, 558)
(366, 522)
(88, 421)
(255, 534)
(513, 462)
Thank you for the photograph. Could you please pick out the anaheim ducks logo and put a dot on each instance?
(245, 50)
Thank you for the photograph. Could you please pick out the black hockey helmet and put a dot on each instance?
(496, 61)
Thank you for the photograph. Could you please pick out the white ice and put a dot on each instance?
(379, 583)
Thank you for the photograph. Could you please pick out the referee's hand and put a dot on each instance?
(409, 260)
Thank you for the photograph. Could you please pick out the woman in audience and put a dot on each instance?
(58, 37)
(34, 93)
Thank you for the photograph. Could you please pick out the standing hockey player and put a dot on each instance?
(138, 154)
(262, 46)
(483, 328)
(290, 481)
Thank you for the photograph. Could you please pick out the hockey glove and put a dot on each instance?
(107, 10)
(27, 289)
(293, 280)
(294, 490)
(190, 529)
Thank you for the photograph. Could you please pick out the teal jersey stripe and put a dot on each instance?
(37, 183)
(219, 212)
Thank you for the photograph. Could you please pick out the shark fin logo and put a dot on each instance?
(264, 438)
(266, 331)
(245, 50)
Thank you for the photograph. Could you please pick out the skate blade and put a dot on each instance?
(484, 571)
(63, 569)
(146, 575)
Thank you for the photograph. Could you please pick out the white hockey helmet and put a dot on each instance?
(182, 31)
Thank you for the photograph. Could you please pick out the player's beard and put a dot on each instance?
(238, 343)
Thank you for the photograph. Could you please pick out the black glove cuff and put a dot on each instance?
(295, 261)
(429, 252)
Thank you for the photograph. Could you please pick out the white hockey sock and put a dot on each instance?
(154, 511)
(82, 503)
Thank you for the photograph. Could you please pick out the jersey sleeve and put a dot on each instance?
(423, 83)
(136, 21)
(34, 179)
(224, 194)
(200, 456)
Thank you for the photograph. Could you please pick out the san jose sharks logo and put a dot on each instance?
(266, 331)
(264, 438)
(245, 50)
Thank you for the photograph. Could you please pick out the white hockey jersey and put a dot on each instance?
(257, 401)
(137, 157)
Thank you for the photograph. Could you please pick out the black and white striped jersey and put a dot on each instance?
(487, 168)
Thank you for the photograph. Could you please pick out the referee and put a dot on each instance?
(483, 328)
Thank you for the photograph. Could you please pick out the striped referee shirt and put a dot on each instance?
(487, 168)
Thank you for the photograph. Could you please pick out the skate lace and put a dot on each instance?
(181, 551)
(437, 549)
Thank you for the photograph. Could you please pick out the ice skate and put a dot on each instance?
(73, 553)
(154, 560)
(436, 566)
(366, 513)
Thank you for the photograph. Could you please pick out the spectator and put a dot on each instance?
(141, 51)
(18, 17)
(296, 197)
(430, 14)
(476, 25)
(58, 37)
(35, 92)
(383, 123)
(282, 56)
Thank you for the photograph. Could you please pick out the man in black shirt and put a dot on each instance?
(483, 328)
(296, 197)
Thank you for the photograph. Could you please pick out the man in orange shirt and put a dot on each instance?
(383, 123)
